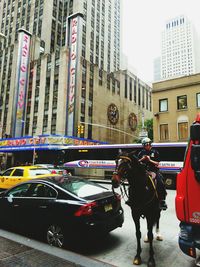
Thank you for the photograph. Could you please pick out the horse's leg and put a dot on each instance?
(137, 260)
(151, 261)
(158, 235)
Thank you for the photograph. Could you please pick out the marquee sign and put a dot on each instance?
(21, 83)
(73, 35)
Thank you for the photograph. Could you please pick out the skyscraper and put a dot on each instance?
(56, 56)
(179, 53)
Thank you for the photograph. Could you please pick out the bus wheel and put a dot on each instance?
(170, 183)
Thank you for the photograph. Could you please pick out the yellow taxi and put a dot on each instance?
(15, 175)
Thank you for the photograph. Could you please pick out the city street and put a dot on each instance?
(119, 248)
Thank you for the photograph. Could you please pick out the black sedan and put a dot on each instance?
(61, 207)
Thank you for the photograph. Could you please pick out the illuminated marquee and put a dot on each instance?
(44, 141)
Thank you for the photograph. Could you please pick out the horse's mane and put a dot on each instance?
(132, 156)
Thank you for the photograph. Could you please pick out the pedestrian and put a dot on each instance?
(151, 158)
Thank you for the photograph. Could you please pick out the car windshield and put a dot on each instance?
(80, 187)
(39, 171)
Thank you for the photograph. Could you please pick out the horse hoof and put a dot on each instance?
(159, 238)
(137, 261)
(146, 240)
(151, 263)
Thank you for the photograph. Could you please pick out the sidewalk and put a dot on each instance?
(19, 251)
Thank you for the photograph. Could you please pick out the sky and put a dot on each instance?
(142, 24)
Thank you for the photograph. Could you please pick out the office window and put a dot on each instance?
(164, 132)
(198, 100)
(183, 130)
(163, 105)
(182, 102)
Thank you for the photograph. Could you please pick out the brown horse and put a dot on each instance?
(143, 198)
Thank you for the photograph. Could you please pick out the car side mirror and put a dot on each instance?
(195, 161)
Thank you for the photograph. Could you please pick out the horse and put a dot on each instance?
(143, 198)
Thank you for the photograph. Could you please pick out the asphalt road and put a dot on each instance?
(119, 248)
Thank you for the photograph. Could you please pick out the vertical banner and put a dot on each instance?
(19, 100)
(73, 36)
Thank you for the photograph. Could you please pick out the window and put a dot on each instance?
(19, 191)
(163, 105)
(18, 172)
(43, 191)
(182, 102)
(7, 173)
(164, 133)
(198, 100)
(183, 130)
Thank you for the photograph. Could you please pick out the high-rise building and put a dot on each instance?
(179, 51)
(55, 56)
(101, 29)
(157, 69)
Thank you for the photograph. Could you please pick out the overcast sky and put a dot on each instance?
(142, 24)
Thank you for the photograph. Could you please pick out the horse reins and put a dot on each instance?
(153, 184)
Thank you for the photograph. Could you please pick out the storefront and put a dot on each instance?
(38, 149)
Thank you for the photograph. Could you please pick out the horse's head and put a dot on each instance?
(124, 164)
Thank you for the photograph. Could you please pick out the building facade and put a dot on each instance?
(175, 105)
(179, 49)
(72, 77)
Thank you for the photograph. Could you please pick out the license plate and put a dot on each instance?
(108, 207)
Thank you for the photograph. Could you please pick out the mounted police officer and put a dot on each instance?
(151, 158)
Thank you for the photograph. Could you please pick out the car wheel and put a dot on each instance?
(55, 235)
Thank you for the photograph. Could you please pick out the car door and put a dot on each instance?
(4, 178)
(16, 177)
(14, 207)
(42, 204)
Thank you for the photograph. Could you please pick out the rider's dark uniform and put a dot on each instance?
(154, 155)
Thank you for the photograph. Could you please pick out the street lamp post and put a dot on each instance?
(33, 150)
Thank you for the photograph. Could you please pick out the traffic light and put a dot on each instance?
(82, 129)
(79, 129)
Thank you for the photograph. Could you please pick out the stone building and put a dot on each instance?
(175, 105)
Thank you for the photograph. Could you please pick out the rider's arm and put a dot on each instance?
(156, 163)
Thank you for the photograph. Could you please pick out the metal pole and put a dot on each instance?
(33, 150)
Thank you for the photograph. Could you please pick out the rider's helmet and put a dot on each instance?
(146, 140)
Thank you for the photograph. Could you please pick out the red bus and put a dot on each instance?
(188, 195)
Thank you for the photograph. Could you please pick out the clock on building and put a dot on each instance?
(113, 113)
(132, 121)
